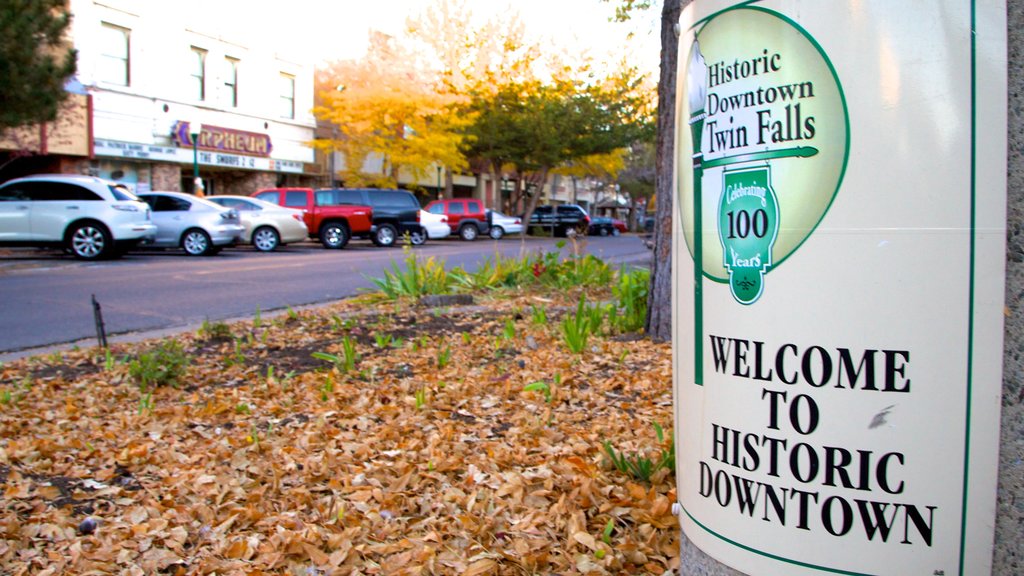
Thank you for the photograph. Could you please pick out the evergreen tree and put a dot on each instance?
(35, 60)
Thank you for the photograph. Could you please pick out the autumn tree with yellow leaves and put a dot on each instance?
(386, 105)
(452, 94)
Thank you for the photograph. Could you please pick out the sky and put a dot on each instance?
(340, 28)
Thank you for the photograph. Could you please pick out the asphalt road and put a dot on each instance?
(47, 296)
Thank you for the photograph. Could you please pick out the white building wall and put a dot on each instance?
(161, 90)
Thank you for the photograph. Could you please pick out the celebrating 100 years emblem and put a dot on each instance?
(768, 142)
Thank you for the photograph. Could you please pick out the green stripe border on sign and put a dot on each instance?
(971, 295)
(772, 556)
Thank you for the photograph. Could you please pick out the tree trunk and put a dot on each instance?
(659, 302)
(531, 201)
(449, 184)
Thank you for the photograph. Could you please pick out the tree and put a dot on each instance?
(534, 127)
(385, 104)
(403, 101)
(659, 302)
(35, 60)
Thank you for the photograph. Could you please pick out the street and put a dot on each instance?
(47, 296)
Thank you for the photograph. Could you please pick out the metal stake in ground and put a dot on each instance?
(97, 314)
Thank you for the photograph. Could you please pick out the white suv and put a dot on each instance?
(90, 217)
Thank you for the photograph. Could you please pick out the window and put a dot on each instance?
(114, 65)
(475, 207)
(287, 96)
(437, 209)
(396, 199)
(455, 208)
(121, 192)
(338, 196)
(57, 192)
(13, 193)
(199, 73)
(351, 197)
(268, 197)
(236, 203)
(167, 203)
(231, 82)
(295, 199)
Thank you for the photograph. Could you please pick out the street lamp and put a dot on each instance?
(438, 182)
(194, 130)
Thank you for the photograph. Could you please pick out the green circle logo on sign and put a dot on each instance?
(768, 140)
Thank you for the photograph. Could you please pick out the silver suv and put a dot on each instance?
(90, 217)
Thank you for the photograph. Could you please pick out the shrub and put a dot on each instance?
(163, 365)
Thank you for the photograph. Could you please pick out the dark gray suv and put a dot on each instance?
(561, 220)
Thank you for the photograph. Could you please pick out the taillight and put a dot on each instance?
(298, 217)
(229, 215)
(444, 219)
(518, 221)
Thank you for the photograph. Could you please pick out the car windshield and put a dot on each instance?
(121, 192)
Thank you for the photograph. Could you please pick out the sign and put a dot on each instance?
(220, 139)
(839, 252)
(148, 152)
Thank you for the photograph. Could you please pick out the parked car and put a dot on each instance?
(395, 212)
(502, 224)
(333, 223)
(602, 226)
(196, 225)
(90, 217)
(561, 220)
(436, 225)
(267, 225)
(649, 224)
(466, 216)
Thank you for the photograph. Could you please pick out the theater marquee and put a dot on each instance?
(840, 193)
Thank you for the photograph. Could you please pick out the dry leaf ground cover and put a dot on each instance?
(374, 436)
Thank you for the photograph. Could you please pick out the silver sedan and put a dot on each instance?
(267, 225)
(194, 224)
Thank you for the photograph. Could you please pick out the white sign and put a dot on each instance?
(114, 148)
(839, 258)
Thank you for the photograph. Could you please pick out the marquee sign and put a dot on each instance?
(228, 140)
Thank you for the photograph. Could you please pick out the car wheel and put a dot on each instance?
(334, 235)
(90, 241)
(603, 231)
(265, 239)
(195, 242)
(468, 232)
(385, 236)
(418, 237)
(497, 232)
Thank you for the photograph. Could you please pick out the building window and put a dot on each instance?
(114, 66)
(199, 73)
(231, 81)
(287, 96)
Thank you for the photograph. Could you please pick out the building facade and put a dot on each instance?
(181, 88)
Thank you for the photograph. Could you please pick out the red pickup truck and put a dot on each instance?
(333, 224)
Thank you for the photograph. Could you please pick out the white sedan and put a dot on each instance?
(436, 225)
(267, 225)
(502, 224)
